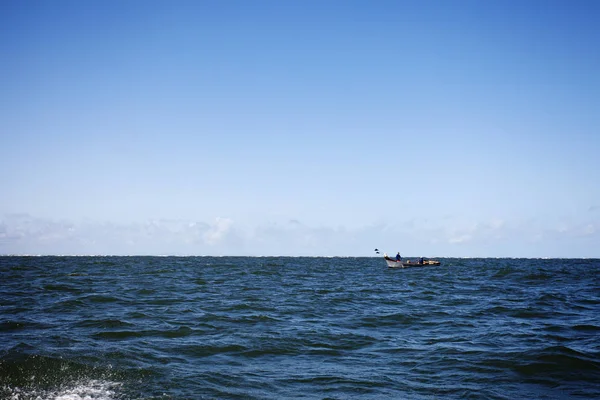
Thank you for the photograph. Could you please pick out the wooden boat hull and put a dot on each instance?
(394, 263)
(391, 263)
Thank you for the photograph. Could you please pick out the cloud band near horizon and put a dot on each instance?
(451, 237)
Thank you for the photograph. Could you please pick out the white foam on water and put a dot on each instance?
(90, 390)
(84, 390)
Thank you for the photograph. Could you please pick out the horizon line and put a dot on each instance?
(287, 256)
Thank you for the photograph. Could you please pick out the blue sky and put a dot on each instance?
(437, 128)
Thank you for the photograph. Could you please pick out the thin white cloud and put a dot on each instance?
(218, 231)
(589, 230)
(25, 234)
(460, 239)
(455, 231)
(497, 223)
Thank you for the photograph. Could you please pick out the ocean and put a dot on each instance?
(105, 328)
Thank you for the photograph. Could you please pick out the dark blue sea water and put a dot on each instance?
(298, 328)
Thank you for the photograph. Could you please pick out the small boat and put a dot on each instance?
(392, 263)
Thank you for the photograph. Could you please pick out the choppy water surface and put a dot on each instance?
(313, 328)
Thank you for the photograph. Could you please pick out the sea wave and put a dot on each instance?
(127, 328)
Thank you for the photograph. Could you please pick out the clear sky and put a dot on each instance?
(434, 128)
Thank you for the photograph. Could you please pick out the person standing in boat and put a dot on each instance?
(398, 256)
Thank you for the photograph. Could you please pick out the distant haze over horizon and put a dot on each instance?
(301, 128)
(440, 258)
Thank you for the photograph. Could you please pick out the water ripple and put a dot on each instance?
(283, 327)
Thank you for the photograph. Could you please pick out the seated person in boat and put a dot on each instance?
(398, 256)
